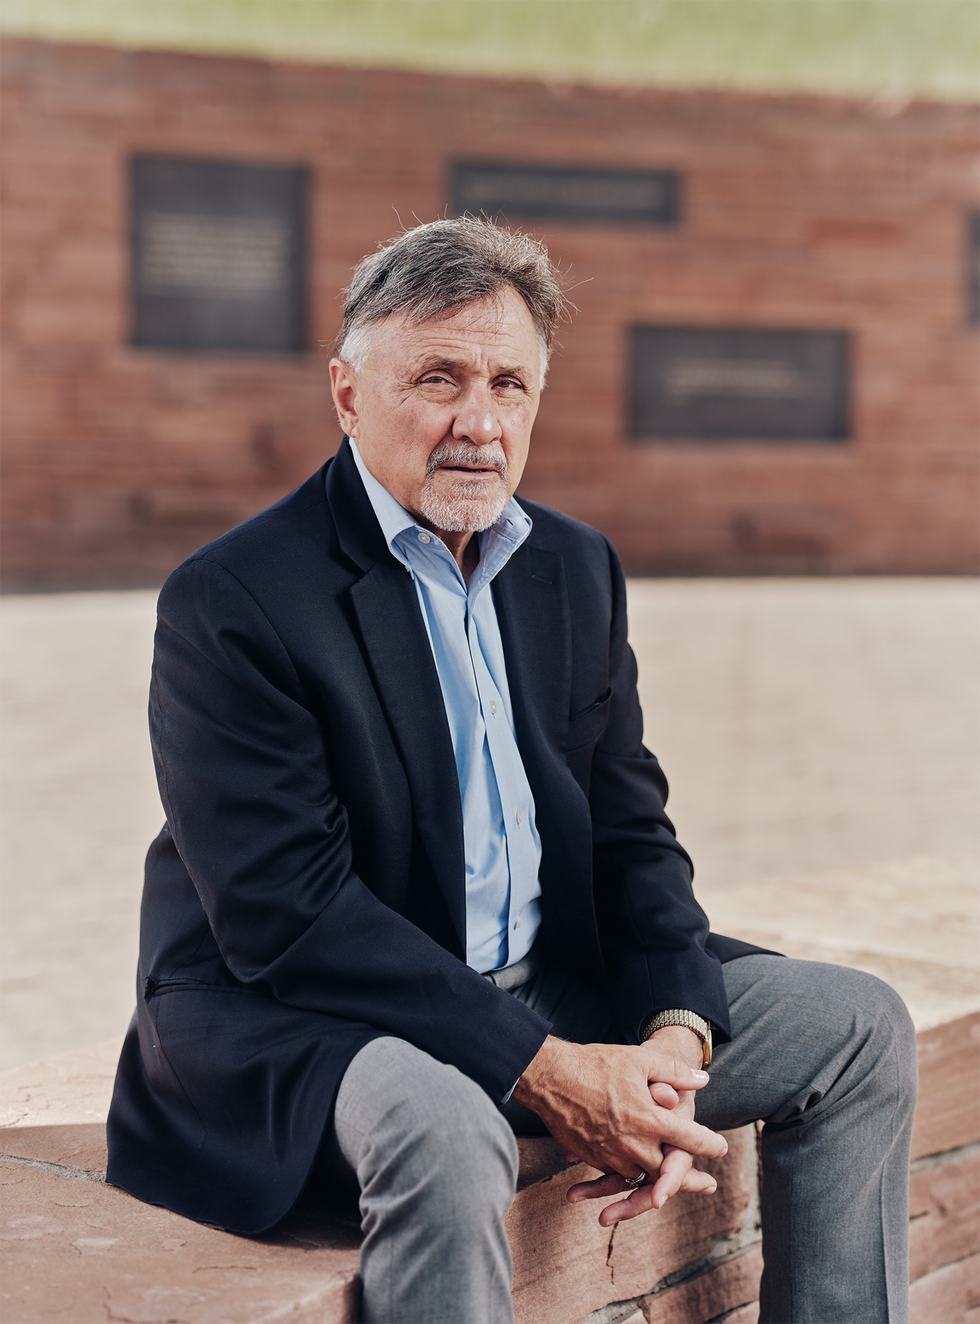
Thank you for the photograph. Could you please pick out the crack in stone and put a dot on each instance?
(14, 1121)
(209, 1268)
(722, 1249)
(609, 1250)
(58, 1169)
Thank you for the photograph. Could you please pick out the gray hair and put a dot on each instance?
(446, 265)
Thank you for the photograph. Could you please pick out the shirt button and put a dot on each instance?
(518, 818)
(517, 923)
(424, 537)
(493, 707)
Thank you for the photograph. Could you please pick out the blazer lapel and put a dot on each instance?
(535, 626)
(400, 657)
(532, 610)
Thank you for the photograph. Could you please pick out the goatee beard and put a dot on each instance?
(466, 507)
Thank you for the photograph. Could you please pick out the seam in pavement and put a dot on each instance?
(56, 1168)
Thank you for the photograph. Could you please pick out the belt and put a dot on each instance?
(509, 976)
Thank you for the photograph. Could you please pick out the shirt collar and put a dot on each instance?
(393, 518)
(497, 544)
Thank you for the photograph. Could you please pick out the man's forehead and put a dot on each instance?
(499, 326)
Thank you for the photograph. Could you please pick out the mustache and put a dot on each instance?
(483, 457)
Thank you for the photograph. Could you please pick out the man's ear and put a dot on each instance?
(344, 393)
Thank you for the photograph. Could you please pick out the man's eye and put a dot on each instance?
(435, 379)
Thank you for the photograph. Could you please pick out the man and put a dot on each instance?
(417, 888)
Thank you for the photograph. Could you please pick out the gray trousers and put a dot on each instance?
(824, 1055)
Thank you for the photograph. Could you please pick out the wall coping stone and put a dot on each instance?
(74, 1244)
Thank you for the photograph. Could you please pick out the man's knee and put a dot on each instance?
(405, 1119)
(872, 1012)
(794, 994)
(806, 1031)
(891, 1009)
(894, 1032)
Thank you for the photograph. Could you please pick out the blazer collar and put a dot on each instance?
(358, 530)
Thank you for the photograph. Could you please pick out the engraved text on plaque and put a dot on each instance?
(737, 383)
(566, 193)
(218, 255)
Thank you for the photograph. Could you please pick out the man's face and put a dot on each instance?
(442, 411)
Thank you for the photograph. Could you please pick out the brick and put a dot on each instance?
(729, 1291)
(71, 318)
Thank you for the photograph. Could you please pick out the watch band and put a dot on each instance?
(679, 1016)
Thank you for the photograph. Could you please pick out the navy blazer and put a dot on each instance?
(307, 892)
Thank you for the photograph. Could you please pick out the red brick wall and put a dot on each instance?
(799, 211)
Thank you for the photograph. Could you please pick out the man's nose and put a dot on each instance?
(476, 418)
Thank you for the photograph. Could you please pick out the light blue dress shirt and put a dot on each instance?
(500, 840)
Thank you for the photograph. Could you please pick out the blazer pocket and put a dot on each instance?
(586, 727)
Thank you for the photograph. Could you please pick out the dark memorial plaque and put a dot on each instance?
(973, 267)
(563, 193)
(218, 250)
(733, 383)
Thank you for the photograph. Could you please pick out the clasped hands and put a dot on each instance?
(623, 1109)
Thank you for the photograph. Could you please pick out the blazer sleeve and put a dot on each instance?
(652, 930)
(246, 784)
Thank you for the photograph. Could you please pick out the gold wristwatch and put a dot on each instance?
(691, 1019)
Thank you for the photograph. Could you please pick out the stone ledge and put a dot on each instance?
(87, 1252)
(948, 1114)
(75, 1244)
(566, 1265)
(873, 918)
(913, 922)
(950, 1295)
(733, 1284)
(944, 1197)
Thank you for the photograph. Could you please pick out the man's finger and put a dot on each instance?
(664, 1094)
(655, 1197)
(690, 1136)
(622, 1154)
(698, 1183)
(638, 1202)
(674, 1071)
(675, 1168)
(678, 1174)
(600, 1188)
